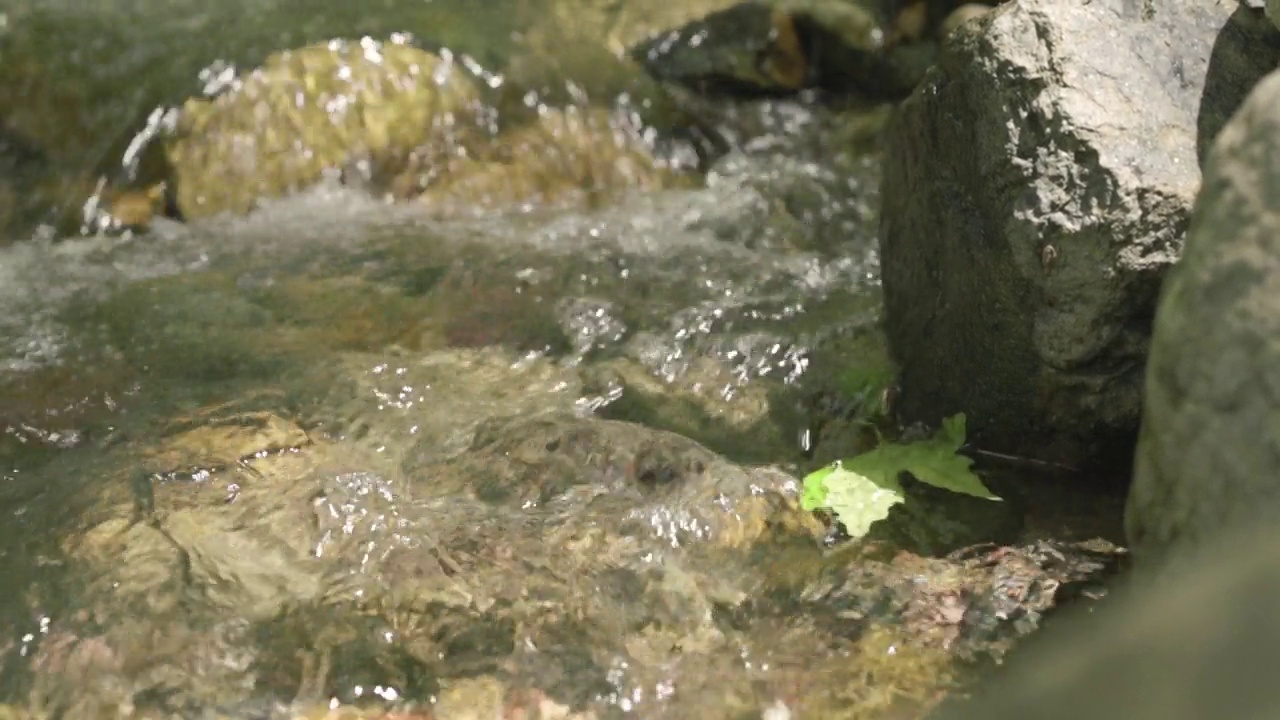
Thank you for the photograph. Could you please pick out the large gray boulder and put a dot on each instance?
(1037, 187)
(1209, 450)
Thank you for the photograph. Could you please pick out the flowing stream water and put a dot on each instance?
(344, 452)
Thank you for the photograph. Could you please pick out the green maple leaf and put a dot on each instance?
(814, 488)
(863, 489)
(857, 500)
(935, 461)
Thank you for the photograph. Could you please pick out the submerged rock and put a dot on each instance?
(423, 498)
(621, 25)
(574, 157)
(1036, 190)
(402, 121)
(879, 50)
(459, 517)
(317, 109)
(1208, 450)
(750, 46)
(782, 46)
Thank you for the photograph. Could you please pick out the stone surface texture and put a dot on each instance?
(1210, 442)
(1202, 643)
(1037, 188)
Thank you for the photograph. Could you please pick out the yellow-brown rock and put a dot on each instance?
(320, 108)
(575, 157)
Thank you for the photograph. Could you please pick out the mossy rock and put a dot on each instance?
(879, 50)
(771, 46)
(574, 157)
(320, 108)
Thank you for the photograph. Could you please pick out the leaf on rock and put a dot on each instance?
(863, 489)
(937, 461)
(814, 495)
(859, 501)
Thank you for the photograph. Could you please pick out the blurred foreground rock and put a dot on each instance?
(1209, 448)
(1203, 644)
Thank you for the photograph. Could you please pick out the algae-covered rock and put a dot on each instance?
(316, 109)
(408, 121)
(572, 38)
(623, 24)
(779, 46)
(750, 46)
(571, 157)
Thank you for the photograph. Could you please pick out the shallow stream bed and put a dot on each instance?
(343, 458)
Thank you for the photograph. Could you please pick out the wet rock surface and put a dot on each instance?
(1204, 461)
(589, 564)
(564, 158)
(339, 458)
(1037, 188)
(316, 109)
(407, 123)
(1202, 636)
(370, 474)
(783, 46)
(231, 131)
